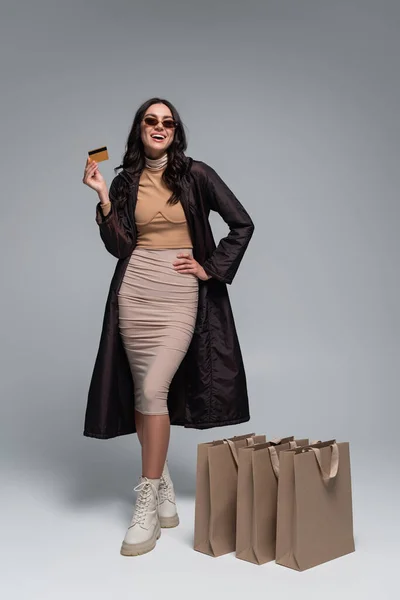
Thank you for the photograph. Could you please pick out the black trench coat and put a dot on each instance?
(209, 388)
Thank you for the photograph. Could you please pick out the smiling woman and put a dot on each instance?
(169, 351)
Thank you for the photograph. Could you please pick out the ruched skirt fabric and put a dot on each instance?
(157, 315)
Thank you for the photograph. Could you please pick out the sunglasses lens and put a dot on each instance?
(150, 121)
(169, 123)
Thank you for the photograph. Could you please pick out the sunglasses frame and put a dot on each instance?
(175, 124)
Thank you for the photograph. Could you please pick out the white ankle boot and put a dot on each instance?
(166, 500)
(144, 529)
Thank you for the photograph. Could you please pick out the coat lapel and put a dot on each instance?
(133, 182)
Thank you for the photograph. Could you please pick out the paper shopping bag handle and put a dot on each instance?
(334, 466)
(233, 449)
(249, 442)
(275, 458)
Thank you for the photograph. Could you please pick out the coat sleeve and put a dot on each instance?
(114, 228)
(226, 258)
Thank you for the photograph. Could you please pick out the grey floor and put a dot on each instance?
(62, 530)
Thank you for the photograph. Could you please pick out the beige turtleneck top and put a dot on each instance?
(159, 225)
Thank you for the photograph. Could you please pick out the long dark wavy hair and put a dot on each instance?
(134, 159)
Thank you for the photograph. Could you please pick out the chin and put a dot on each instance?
(161, 148)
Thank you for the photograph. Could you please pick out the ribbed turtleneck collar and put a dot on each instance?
(156, 163)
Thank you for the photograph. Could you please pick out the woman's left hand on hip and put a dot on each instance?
(187, 264)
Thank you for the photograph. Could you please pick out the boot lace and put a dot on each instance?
(146, 489)
(165, 491)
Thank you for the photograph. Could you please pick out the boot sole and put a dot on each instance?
(139, 549)
(168, 522)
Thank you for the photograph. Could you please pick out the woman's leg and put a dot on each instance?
(153, 433)
(139, 418)
(156, 433)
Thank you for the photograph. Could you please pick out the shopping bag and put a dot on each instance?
(314, 505)
(216, 493)
(258, 472)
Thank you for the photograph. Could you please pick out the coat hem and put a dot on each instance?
(212, 424)
(208, 425)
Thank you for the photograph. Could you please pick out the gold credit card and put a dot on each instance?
(98, 154)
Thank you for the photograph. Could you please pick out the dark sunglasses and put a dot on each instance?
(153, 121)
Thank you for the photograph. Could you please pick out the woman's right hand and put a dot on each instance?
(93, 178)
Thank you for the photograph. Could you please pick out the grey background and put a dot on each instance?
(295, 104)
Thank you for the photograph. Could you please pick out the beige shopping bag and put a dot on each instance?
(314, 514)
(216, 493)
(258, 472)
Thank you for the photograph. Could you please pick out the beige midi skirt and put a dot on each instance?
(157, 315)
